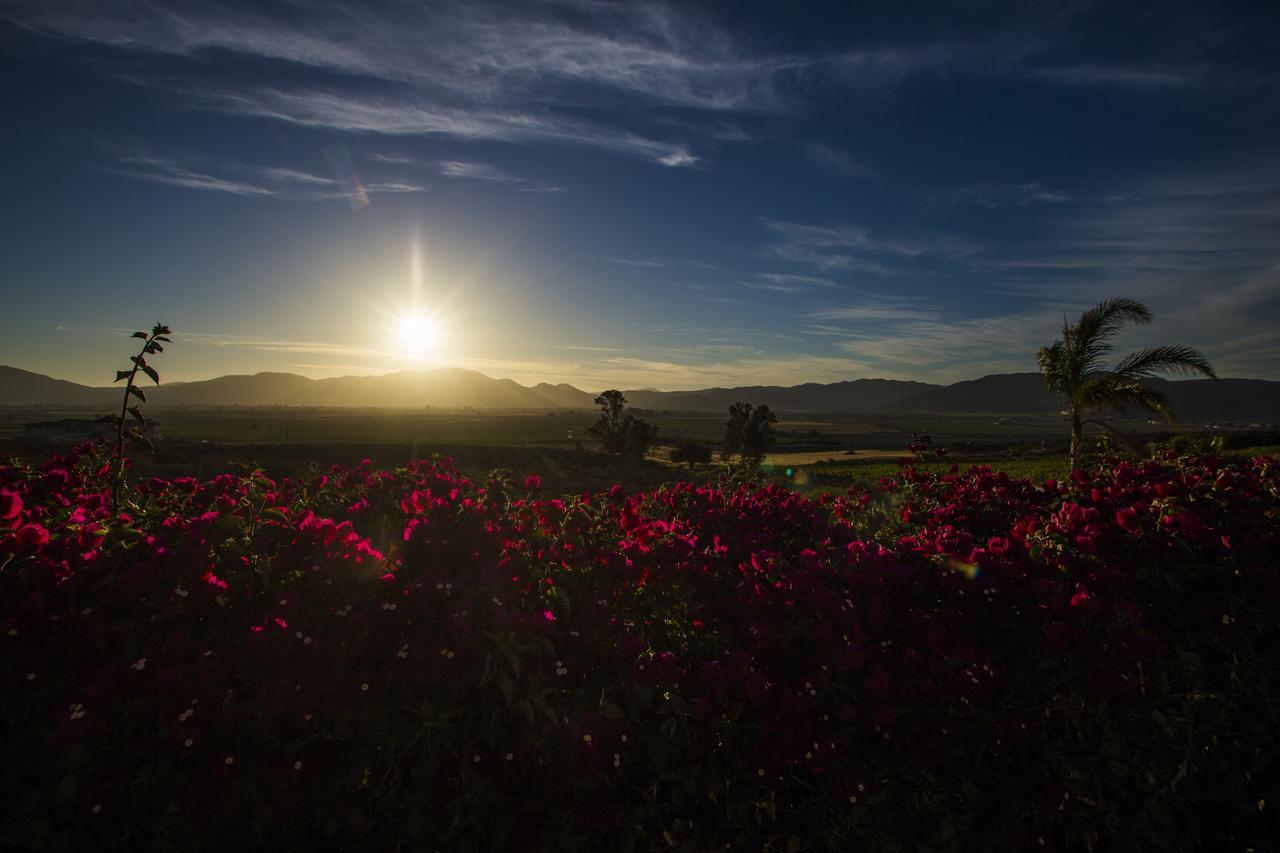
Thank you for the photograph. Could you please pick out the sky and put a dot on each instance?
(633, 194)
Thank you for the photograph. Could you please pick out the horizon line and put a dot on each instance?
(574, 385)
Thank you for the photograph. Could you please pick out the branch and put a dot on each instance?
(1172, 783)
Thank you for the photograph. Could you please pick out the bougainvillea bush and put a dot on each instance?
(405, 659)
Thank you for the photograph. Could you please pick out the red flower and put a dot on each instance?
(1127, 518)
(10, 508)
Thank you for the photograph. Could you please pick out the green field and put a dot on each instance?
(814, 452)
(290, 425)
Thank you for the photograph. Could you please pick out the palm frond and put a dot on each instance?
(1146, 363)
(1090, 337)
(1123, 395)
(1050, 359)
(1106, 318)
(1076, 365)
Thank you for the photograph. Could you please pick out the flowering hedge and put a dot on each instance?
(410, 660)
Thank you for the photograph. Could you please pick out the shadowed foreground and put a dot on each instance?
(373, 659)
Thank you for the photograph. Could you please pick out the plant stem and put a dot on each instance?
(118, 476)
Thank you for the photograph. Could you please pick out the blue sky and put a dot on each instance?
(634, 194)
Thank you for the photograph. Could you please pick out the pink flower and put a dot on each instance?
(1127, 518)
(10, 508)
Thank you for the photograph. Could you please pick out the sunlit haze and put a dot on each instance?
(419, 336)
(638, 194)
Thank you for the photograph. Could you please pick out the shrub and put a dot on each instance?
(691, 451)
(407, 659)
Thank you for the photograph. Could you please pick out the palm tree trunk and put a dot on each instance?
(1077, 437)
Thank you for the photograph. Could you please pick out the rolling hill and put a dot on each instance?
(859, 395)
(1024, 393)
(24, 388)
(454, 388)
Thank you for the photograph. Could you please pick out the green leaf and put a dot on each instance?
(153, 347)
(507, 686)
(151, 371)
(274, 514)
(123, 374)
(137, 392)
(545, 707)
(163, 338)
(137, 413)
(142, 335)
(513, 660)
(134, 435)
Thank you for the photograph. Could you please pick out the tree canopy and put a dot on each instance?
(749, 432)
(1074, 366)
(619, 432)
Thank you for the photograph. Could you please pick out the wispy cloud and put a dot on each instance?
(1017, 195)
(840, 162)
(1089, 74)
(493, 175)
(881, 68)
(879, 311)
(924, 340)
(224, 340)
(854, 248)
(797, 280)
(161, 171)
(1197, 246)
(786, 282)
(391, 159)
(647, 263)
(586, 74)
(413, 115)
(584, 348)
(279, 182)
(699, 371)
(464, 70)
(282, 175)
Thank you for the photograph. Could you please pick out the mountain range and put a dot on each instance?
(454, 388)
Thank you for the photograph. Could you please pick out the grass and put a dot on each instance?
(840, 475)
(815, 452)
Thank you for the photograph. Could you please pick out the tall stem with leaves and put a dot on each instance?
(124, 430)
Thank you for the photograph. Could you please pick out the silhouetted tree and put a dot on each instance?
(749, 432)
(619, 432)
(692, 451)
(610, 428)
(640, 436)
(1073, 368)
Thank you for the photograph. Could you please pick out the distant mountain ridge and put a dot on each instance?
(1014, 393)
(455, 388)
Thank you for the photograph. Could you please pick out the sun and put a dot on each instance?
(418, 335)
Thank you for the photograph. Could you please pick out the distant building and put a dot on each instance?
(79, 429)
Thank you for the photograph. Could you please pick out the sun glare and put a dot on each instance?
(418, 334)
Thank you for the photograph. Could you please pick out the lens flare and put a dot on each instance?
(418, 334)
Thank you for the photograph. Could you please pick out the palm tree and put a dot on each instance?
(1073, 368)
